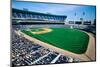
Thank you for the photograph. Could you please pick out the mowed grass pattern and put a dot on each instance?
(68, 39)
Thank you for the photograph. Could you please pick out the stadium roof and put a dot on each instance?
(31, 12)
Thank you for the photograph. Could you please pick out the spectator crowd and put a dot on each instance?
(25, 52)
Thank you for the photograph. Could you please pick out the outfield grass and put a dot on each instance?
(68, 39)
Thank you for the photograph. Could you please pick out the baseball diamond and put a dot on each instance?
(72, 40)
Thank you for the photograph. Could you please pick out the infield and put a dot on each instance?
(72, 40)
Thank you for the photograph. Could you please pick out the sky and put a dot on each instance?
(73, 12)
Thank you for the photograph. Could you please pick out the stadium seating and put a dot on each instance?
(25, 52)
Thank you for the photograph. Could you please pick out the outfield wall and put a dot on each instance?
(40, 26)
(51, 25)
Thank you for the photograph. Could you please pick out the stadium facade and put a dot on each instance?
(19, 16)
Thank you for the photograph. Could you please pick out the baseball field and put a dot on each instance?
(71, 40)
